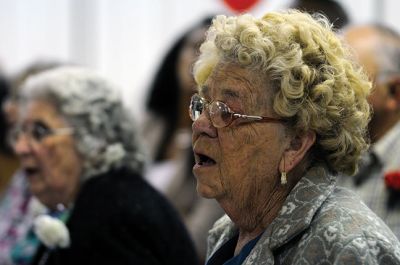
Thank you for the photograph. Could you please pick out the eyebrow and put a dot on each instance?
(225, 92)
(230, 93)
(204, 90)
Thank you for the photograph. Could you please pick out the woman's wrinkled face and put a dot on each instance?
(240, 162)
(51, 162)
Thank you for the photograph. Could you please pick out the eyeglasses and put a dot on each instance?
(35, 132)
(220, 114)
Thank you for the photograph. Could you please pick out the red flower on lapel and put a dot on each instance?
(392, 180)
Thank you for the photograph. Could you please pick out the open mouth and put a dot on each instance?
(204, 160)
(30, 171)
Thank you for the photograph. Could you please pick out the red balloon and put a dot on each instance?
(240, 5)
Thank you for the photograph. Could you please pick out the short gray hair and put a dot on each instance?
(105, 133)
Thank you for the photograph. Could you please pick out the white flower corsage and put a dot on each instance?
(51, 231)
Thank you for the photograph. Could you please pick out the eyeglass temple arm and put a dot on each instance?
(67, 130)
(256, 118)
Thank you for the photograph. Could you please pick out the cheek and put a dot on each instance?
(60, 165)
(237, 153)
(248, 161)
(241, 145)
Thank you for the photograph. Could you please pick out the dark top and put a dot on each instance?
(119, 219)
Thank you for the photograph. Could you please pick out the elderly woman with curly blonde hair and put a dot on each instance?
(280, 112)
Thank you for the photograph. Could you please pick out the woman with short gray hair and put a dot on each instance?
(79, 150)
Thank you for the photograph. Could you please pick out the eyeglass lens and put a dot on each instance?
(196, 107)
(220, 113)
(37, 132)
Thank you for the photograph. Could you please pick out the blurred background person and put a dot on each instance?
(333, 10)
(281, 110)
(18, 207)
(167, 134)
(377, 48)
(79, 150)
(8, 161)
(10, 105)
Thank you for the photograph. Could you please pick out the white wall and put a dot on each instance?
(124, 39)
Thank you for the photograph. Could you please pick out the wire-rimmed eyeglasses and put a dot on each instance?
(35, 132)
(220, 114)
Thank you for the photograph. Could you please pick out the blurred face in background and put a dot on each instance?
(365, 42)
(187, 57)
(44, 142)
(10, 108)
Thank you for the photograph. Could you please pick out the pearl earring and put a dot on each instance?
(283, 178)
(283, 173)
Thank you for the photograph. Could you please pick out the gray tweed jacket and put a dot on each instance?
(319, 223)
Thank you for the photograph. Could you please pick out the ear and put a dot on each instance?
(393, 101)
(297, 150)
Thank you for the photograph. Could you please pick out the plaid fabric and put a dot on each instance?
(369, 182)
(17, 211)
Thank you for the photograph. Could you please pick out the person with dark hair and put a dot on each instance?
(174, 85)
(377, 48)
(8, 161)
(335, 13)
(10, 105)
(167, 133)
(18, 207)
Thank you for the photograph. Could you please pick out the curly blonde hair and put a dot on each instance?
(315, 85)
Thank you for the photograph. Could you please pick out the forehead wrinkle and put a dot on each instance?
(248, 88)
(229, 93)
(237, 90)
(241, 81)
(235, 83)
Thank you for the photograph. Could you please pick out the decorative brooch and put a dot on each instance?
(51, 231)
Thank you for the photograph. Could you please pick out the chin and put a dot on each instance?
(35, 188)
(205, 191)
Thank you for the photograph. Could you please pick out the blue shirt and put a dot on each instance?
(224, 255)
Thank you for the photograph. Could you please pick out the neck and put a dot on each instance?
(57, 198)
(253, 218)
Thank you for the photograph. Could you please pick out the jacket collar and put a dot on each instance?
(300, 206)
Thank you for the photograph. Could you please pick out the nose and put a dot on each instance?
(203, 126)
(22, 145)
